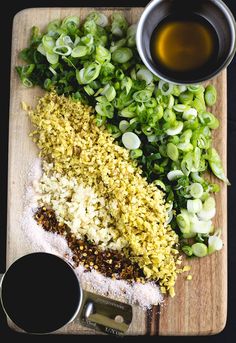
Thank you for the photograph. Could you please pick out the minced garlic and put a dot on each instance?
(68, 137)
(80, 208)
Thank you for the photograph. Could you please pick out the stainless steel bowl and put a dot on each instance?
(215, 11)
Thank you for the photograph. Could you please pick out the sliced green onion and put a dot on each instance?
(196, 190)
(88, 74)
(199, 105)
(144, 74)
(105, 109)
(52, 57)
(48, 43)
(136, 153)
(187, 163)
(207, 214)
(182, 88)
(142, 96)
(169, 203)
(122, 55)
(63, 50)
(196, 159)
(26, 82)
(183, 221)
(186, 98)
(185, 146)
(195, 89)
(99, 18)
(174, 174)
(180, 108)
(70, 19)
(147, 130)
(169, 115)
(53, 26)
(64, 40)
(170, 217)
(175, 129)
(214, 244)
(89, 90)
(127, 112)
(88, 40)
(187, 250)
(171, 102)
(102, 54)
(209, 119)
(216, 165)
(109, 92)
(130, 140)
(200, 226)
(152, 138)
(209, 204)
(194, 206)
(195, 177)
(189, 235)
(80, 51)
(41, 49)
(123, 125)
(210, 95)
(117, 44)
(165, 87)
(172, 152)
(190, 114)
(126, 83)
(53, 71)
(199, 249)
(119, 24)
(131, 35)
(133, 120)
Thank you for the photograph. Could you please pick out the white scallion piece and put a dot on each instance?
(209, 204)
(174, 174)
(196, 190)
(214, 243)
(194, 206)
(183, 221)
(176, 129)
(152, 138)
(182, 88)
(145, 74)
(165, 87)
(207, 215)
(170, 217)
(180, 108)
(200, 226)
(131, 140)
(190, 114)
(123, 125)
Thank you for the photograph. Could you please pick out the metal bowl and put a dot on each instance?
(214, 11)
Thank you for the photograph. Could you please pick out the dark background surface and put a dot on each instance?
(7, 14)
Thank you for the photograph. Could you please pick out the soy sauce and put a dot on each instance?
(40, 293)
(184, 45)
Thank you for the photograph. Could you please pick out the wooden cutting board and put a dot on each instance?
(200, 305)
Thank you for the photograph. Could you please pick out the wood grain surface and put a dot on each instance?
(200, 305)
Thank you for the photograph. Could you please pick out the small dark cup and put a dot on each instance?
(214, 11)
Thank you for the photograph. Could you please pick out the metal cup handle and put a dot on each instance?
(104, 314)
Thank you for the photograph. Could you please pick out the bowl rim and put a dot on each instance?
(232, 23)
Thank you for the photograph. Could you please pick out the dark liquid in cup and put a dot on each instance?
(40, 293)
(186, 45)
